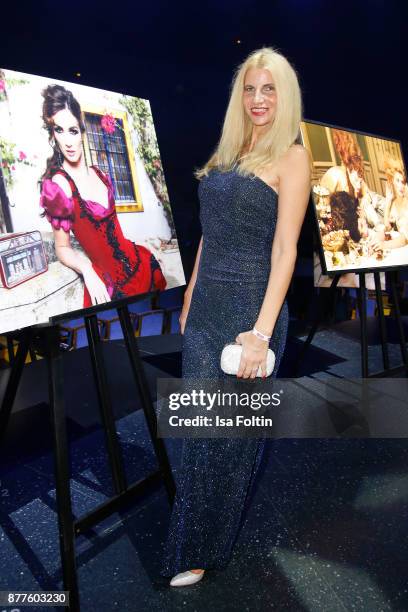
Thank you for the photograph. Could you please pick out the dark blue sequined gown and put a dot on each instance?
(238, 216)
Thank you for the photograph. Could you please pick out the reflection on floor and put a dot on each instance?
(326, 530)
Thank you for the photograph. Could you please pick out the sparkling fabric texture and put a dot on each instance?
(238, 217)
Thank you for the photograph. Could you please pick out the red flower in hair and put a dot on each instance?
(108, 123)
(22, 156)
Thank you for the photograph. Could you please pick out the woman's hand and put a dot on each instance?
(82, 265)
(96, 287)
(376, 243)
(254, 353)
(185, 309)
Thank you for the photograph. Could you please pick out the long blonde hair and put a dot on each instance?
(237, 128)
(393, 166)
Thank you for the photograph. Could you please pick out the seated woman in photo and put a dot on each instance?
(81, 199)
(396, 207)
(349, 177)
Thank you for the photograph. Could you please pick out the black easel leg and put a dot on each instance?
(147, 404)
(398, 319)
(10, 350)
(62, 471)
(313, 329)
(14, 379)
(333, 304)
(362, 302)
(111, 436)
(381, 320)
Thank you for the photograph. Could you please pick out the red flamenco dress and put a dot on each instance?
(126, 268)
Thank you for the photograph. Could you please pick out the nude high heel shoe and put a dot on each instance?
(186, 578)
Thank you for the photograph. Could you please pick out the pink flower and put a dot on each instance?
(108, 123)
(157, 164)
(13, 167)
(2, 86)
(22, 156)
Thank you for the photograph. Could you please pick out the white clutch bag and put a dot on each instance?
(231, 356)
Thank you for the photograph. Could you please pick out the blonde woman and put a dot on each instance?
(254, 192)
(396, 208)
(394, 232)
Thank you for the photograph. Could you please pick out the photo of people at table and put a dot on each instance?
(360, 194)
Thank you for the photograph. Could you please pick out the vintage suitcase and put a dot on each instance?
(22, 256)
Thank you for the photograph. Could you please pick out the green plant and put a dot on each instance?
(8, 160)
(139, 111)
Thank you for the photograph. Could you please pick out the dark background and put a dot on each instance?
(350, 57)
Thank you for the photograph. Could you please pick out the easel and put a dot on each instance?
(46, 337)
(362, 307)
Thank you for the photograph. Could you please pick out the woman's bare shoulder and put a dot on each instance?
(296, 159)
(62, 182)
(297, 153)
(335, 171)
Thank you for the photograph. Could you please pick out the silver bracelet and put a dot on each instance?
(260, 335)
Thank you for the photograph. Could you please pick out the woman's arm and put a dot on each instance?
(193, 278)
(395, 243)
(67, 255)
(294, 193)
(189, 289)
(81, 264)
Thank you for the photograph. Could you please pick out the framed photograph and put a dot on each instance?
(85, 216)
(360, 199)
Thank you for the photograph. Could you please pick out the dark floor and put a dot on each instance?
(326, 530)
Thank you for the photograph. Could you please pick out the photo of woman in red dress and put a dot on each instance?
(78, 198)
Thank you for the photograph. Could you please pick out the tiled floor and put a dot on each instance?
(326, 530)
